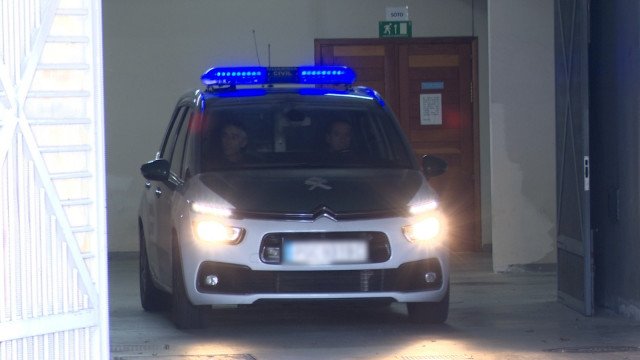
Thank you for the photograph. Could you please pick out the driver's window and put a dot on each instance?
(170, 139)
(177, 155)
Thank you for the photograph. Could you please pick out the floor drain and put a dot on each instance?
(595, 349)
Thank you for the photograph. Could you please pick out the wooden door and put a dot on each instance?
(429, 83)
(375, 64)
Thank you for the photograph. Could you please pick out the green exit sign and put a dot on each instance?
(394, 29)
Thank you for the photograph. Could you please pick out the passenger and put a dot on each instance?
(339, 136)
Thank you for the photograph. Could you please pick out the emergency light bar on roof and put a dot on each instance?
(256, 75)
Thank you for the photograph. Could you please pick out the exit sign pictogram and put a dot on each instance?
(394, 29)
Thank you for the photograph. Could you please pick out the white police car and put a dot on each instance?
(262, 192)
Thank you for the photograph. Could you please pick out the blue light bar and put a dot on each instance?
(279, 75)
(326, 75)
(236, 75)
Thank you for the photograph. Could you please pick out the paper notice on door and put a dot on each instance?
(430, 109)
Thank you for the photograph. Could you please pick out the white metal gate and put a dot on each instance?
(53, 270)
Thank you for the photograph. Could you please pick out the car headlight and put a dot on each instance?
(212, 227)
(203, 208)
(428, 229)
(422, 207)
(214, 231)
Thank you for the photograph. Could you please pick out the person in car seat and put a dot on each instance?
(233, 139)
(339, 136)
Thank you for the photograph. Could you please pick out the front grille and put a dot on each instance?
(238, 279)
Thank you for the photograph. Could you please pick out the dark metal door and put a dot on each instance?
(575, 248)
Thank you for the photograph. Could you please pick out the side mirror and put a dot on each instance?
(433, 166)
(156, 170)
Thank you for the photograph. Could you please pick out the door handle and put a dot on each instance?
(158, 192)
(587, 176)
(147, 184)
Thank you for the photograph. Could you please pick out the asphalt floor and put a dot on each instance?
(512, 315)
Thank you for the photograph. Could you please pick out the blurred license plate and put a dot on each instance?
(318, 252)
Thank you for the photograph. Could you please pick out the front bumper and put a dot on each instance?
(241, 280)
(242, 277)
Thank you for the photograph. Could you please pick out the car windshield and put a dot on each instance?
(283, 130)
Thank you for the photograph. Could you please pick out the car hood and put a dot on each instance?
(309, 193)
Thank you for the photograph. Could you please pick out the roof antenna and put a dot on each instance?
(255, 43)
(269, 53)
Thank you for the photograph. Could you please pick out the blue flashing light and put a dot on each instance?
(279, 75)
(326, 75)
(235, 75)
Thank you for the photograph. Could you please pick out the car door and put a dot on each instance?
(159, 245)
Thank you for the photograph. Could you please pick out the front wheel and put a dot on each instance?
(184, 314)
(429, 312)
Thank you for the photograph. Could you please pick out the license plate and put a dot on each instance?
(321, 252)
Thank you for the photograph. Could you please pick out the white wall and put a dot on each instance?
(156, 49)
(522, 132)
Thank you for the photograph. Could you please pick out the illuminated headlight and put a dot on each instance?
(427, 229)
(216, 232)
(210, 209)
(423, 207)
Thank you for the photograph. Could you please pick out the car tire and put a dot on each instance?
(429, 312)
(151, 298)
(184, 314)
